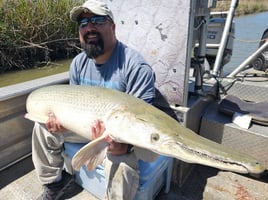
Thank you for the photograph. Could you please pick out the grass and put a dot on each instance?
(244, 7)
(35, 31)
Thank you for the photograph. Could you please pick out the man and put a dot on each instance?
(105, 62)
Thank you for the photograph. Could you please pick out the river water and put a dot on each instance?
(248, 32)
(30, 74)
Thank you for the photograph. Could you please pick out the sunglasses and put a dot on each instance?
(94, 20)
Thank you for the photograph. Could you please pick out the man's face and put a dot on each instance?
(95, 34)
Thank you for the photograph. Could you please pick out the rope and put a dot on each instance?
(246, 41)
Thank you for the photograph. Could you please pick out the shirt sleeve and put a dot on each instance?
(73, 73)
(76, 67)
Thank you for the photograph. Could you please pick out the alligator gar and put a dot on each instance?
(129, 120)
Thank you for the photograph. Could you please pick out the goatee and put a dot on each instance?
(93, 49)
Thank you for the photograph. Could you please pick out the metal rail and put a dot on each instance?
(247, 61)
(224, 39)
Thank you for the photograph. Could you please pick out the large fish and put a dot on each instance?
(129, 120)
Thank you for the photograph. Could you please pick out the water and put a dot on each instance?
(248, 32)
(25, 75)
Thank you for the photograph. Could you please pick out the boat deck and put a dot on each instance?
(20, 182)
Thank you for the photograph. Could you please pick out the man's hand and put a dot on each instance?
(114, 148)
(97, 129)
(53, 125)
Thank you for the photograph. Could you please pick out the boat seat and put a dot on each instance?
(258, 111)
(153, 176)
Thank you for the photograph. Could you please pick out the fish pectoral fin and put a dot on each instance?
(40, 119)
(92, 154)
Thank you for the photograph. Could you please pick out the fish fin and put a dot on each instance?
(40, 119)
(92, 154)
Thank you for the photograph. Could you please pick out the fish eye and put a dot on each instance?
(155, 137)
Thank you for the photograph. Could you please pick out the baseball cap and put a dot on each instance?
(94, 6)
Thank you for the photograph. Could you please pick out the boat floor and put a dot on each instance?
(20, 182)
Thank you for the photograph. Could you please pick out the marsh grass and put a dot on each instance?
(35, 31)
(244, 7)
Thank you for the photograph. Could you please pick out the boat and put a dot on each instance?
(188, 46)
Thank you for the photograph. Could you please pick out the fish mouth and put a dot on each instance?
(199, 156)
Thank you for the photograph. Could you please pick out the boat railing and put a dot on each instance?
(244, 64)
(223, 43)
